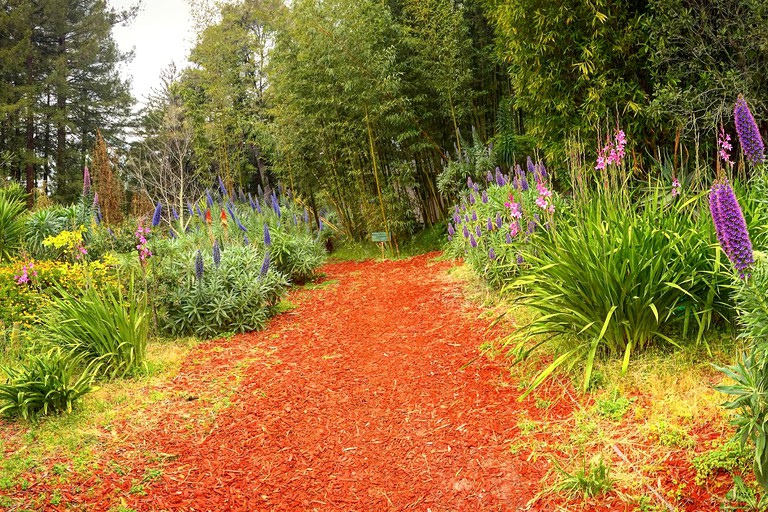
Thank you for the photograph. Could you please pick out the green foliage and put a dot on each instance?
(743, 497)
(616, 277)
(48, 383)
(233, 297)
(728, 456)
(295, 255)
(473, 162)
(42, 224)
(103, 326)
(592, 479)
(613, 407)
(11, 227)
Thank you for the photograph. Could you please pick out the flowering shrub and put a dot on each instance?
(493, 226)
(27, 286)
(203, 299)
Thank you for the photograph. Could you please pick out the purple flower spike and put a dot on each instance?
(491, 254)
(199, 269)
(456, 209)
(484, 197)
(86, 181)
(489, 177)
(489, 225)
(474, 216)
(531, 228)
(246, 241)
(509, 237)
(731, 227)
(499, 178)
(222, 188)
(216, 254)
(174, 213)
(96, 200)
(499, 220)
(190, 209)
(472, 241)
(451, 231)
(208, 198)
(469, 182)
(478, 231)
(456, 220)
(267, 238)
(471, 198)
(265, 265)
(157, 216)
(250, 201)
(749, 134)
(476, 188)
(306, 216)
(520, 259)
(465, 231)
(530, 166)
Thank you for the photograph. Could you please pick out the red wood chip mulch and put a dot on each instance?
(357, 399)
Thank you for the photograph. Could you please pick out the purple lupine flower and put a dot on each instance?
(489, 225)
(522, 180)
(469, 182)
(246, 241)
(451, 231)
(472, 241)
(172, 233)
(199, 212)
(231, 210)
(531, 227)
(509, 237)
(499, 178)
(749, 134)
(499, 220)
(174, 213)
(471, 198)
(267, 238)
(491, 254)
(250, 201)
(320, 224)
(731, 228)
(530, 166)
(484, 197)
(199, 269)
(295, 220)
(96, 200)
(456, 209)
(258, 206)
(208, 198)
(489, 177)
(541, 172)
(222, 187)
(190, 209)
(520, 259)
(276, 205)
(456, 220)
(474, 216)
(478, 231)
(476, 188)
(216, 254)
(465, 231)
(241, 195)
(265, 265)
(306, 216)
(86, 181)
(157, 216)
(450, 238)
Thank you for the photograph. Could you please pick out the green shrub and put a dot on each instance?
(11, 227)
(48, 383)
(40, 225)
(618, 277)
(103, 326)
(295, 255)
(233, 297)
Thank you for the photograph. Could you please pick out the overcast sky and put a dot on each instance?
(161, 33)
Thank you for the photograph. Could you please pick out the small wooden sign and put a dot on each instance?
(380, 236)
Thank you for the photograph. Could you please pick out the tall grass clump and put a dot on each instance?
(105, 326)
(11, 226)
(621, 275)
(47, 383)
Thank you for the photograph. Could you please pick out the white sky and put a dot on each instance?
(160, 34)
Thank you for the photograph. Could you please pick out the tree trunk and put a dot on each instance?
(30, 143)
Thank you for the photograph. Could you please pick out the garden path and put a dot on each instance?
(367, 395)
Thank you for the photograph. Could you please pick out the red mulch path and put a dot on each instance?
(354, 400)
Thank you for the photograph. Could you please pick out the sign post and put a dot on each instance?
(380, 237)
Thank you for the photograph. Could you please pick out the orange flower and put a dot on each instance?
(208, 219)
(223, 218)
